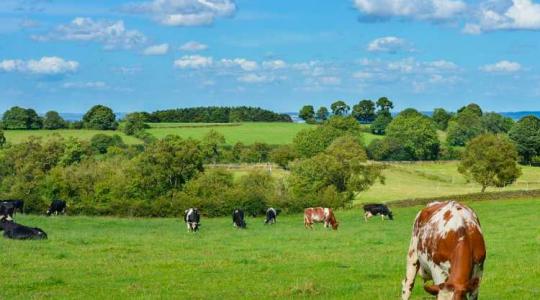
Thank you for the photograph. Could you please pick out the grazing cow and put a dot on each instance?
(56, 207)
(6, 210)
(17, 204)
(448, 247)
(192, 219)
(371, 210)
(320, 214)
(271, 215)
(16, 231)
(238, 219)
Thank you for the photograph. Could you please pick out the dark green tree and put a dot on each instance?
(134, 123)
(364, 111)
(467, 125)
(381, 122)
(101, 142)
(21, 118)
(100, 117)
(339, 108)
(53, 120)
(384, 104)
(441, 117)
(307, 113)
(322, 114)
(2, 138)
(473, 108)
(211, 144)
(490, 160)
(496, 123)
(409, 112)
(282, 155)
(526, 135)
(418, 135)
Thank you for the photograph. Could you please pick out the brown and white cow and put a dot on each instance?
(318, 215)
(447, 246)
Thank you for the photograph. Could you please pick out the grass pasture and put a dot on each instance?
(18, 136)
(95, 258)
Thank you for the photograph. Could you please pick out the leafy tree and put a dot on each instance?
(410, 112)
(21, 118)
(364, 111)
(339, 108)
(384, 104)
(418, 135)
(134, 123)
(211, 192)
(526, 134)
(381, 122)
(307, 113)
(473, 108)
(467, 125)
(2, 138)
(256, 153)
(496, 123)
(101, 142)
(100, 117)
(211, 144)
(387, 149)
(255, 190)
(53, 120)
(441, 117)
(322, 114)
(490, 160)
(282, 155)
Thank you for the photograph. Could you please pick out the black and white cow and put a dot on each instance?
(238, 219)
(371, 210)
(192, 219)
(56, 207)
(16, 231)
(17, 204)
(271, 215)
(7, 210)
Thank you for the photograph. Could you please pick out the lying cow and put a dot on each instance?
(271, 215)
(318, 215)
(192, 219)
(18, 205)
(16, 231)
(238, 219)
(448, 247)
(56, 207)
(371, 210)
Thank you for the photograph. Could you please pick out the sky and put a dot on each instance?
(68, 55)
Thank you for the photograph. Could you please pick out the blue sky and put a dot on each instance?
(278, 54)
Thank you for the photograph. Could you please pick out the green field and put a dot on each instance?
(97, 258)
(18, 136)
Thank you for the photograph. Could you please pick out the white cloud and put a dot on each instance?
(274, 64)
(184, 12)
(244, 64)
(389, 44)
(193, 46)
(160, 49)
(112, 34)
(330, 80)
(47, 65)
(193, 62)
(412, 9)
(503, 66)
(494, 15)
(85, 85)
(254, 78)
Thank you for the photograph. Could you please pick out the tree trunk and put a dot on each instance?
(484, 188)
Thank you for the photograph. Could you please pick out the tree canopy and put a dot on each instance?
(307, 113)
(53, 120)
(21, 118)
(339, 108)
(322, 114)
(418, 135)
(526, 134)
(100, 117)
(441, 117)
(364, 111)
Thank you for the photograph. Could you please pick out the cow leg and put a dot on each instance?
(365, 216)
(412, 269)
(382, 217)
(188, 227)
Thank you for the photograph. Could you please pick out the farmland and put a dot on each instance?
(156, 258)
(18, 136)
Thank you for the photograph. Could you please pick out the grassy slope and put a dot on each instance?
(95, 258)
(17, 136)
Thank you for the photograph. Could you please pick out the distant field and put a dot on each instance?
(17, 136)
(111, 258)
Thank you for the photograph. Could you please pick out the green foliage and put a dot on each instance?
(101, 142)
(364, 111)
(53, 120)
(490, 160)
(383, 119)
(215, 114)
(387, 149)
(409, 112)
(100, 117)
(384, 104)
(211, 143)
(526, 135)
(441, 117)
(467, 125)
(21, 118)
(307, 113)
(472, 108)
(322, 114)
(339, 108)
(134, 124)
(496, 123)
(2, 138)
(282, 155)
(255, 191)
(417, 134)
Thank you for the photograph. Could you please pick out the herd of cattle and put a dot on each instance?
(447, 245)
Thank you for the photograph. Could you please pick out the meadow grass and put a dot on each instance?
(18, 136)
(96, 258)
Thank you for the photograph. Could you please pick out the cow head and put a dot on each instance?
(390, 216)
(335, 225)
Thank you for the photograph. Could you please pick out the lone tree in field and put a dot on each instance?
(307, 113)
(322, 114)
(339, 108)
(53, 120)
(100, 117)
(490, 160)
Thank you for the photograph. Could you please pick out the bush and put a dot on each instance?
(101, 142)
(387, 149)
(283, 155)
(417, 134)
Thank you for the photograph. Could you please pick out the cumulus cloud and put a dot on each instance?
(85, 85)
(160, 49)
(193, 62)
(388, 44)
(45, 66)
(435, 10)
(254, 78)
(112, 34)
(184, 12)
(244, 64)
(193, 46)
(274, 64)
(505, 15)
(502, 66)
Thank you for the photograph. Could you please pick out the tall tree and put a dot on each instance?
(472, 107)
(53, 120)
(307, 113)
(490, 160)
(134, 123)
(418, 135)
(322, 114)
(382, 121)
(211, 144)
(496, 123)
(100, 117)
(21, 118)
(384, 104)
(441, 117)
(339, 108)
(526, 134)
(467, 125)
(364, 111)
